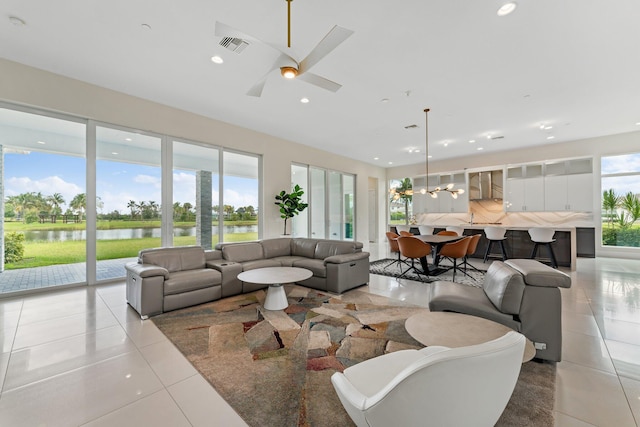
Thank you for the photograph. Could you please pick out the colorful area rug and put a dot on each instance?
(386, 267)
(274, 367)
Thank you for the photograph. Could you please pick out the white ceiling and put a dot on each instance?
(571, 64)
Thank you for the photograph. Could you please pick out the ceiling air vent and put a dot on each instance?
(497, 137)
(233, 44)
(411, 127)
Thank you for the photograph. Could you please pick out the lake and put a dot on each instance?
(126, 233)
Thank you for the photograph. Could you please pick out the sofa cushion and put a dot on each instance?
(327, 249)
(317, 266)
(504, 286)
(242, 252)
(174, 258)
(287, 261)
(259, 263)
(451, 296)
(304, 247)
(276, 247)
(536, 273)
(190, 280)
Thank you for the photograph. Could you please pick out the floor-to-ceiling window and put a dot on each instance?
(621, 200)
(80, 198)
(196, 195)
(128, 195)
(331, 212)
(240, 202)
(43, 178)
(300, 223)
(400, 201)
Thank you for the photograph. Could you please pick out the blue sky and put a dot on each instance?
(116, 183)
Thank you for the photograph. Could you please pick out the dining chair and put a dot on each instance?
(447, 233)
(392, 238)
(473, 245)
(406, 233)
(455, 251)
(413, 249)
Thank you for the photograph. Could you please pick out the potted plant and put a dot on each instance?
(290, 204)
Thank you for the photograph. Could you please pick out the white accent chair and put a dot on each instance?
(456, 229)
(425, 229)
(439, 386)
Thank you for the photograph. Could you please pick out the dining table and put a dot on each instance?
(437, 241)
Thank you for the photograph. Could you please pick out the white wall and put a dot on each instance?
(29, 86)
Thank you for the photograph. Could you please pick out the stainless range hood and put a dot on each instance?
(486, 185)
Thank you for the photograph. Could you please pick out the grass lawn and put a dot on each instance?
(39, 254)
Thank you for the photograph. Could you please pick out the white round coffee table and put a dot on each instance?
(458, 330)
(275, 277)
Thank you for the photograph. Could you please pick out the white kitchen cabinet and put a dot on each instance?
(524, 190)
(569, 185)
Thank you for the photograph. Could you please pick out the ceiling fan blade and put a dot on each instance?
(332, 40)
(256, 89)
(316, 80)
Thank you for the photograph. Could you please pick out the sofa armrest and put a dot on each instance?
(147, 270)
(344, 258)
(536, 273)
(231, 285)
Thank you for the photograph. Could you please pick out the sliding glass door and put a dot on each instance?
(42, 193)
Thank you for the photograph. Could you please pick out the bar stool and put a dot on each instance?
(458, 230)
(543, 236)
(425, 229)
(495, 235)
(400, 228)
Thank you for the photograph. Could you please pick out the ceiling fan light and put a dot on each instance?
(288, 72)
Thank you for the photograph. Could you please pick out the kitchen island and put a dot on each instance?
(570, 243)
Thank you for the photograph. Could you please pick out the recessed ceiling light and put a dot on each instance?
(304, 100)
(488, 136)
(548, 127)
(429, 157)
(114, 153)
(390, 163)
(127, 139)
(551, 137)
(638, 124)
(507, 8)
(217, 60)
(416, 151)
(41, 142)
(410, 150)
(376, 158)
(471, 141)
(146, 26)
(17, 21)
(480, 148)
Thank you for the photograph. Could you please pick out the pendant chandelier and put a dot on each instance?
(434, 193)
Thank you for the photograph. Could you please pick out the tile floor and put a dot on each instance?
(82, 357)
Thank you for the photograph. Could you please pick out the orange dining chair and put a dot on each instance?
(406, 233)
(473, 245)
(455, 251)
(413, 248)
(447, 233)
(393, 247)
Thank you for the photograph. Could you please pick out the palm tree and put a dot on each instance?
(132, 205)
(56, 200)
(610, 204)
(79, 204)
(631, 205)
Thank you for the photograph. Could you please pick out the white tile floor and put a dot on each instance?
(82, 357)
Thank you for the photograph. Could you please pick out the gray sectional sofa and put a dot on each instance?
(165, 279)
(522, 294)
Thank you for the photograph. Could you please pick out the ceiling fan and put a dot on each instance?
(289, 67)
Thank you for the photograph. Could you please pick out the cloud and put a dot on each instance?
(147, 179)
(47, 186)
